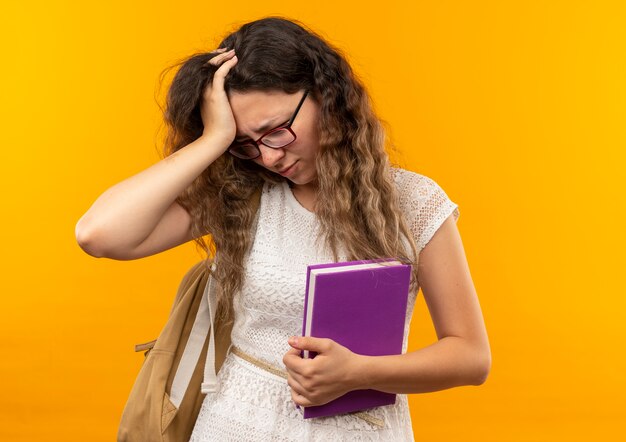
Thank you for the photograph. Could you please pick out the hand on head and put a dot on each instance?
(217, 115)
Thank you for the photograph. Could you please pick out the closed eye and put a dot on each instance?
(246, 139)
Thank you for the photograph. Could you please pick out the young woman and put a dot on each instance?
(278, 109)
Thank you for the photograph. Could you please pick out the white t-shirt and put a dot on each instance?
(251, 404)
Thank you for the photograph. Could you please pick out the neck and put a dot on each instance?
(305, 194)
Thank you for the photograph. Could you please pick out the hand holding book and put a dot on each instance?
(331, 374)
(352, 310)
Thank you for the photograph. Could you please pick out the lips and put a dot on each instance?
(286, 169)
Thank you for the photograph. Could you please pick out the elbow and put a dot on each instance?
(85, 237)
(483, 367)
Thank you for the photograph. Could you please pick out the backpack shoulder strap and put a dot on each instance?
(204, 327)
(192, 275)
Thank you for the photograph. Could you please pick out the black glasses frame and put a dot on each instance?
(260, 140)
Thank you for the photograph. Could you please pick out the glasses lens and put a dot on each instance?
(244, 150)
(278, 138)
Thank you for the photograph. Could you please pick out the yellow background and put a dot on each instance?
(515, 108)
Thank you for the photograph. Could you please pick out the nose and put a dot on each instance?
(270, 156)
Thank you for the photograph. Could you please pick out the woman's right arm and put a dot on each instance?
(139, 217)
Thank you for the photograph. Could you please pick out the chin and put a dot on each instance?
(311, 182)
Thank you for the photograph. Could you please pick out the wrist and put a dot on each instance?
(214, 139)
(211, 138)
(363, 372)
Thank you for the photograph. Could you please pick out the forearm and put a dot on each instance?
(125, 214)
(449, 362)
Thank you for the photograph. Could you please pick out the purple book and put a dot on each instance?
(362, 306)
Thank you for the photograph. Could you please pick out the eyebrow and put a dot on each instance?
(268, 125)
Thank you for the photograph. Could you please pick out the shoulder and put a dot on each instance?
(412, 185)
(424, 203)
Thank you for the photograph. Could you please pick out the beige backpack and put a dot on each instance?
(179, 367)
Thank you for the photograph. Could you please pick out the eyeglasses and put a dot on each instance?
(275, 138)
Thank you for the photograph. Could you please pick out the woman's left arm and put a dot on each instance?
(462, 355)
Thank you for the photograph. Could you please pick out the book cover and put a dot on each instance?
(362, 306)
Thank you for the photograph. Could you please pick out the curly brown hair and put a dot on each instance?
(360, 210)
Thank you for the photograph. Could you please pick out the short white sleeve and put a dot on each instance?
(424, 203)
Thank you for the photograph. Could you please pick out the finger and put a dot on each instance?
(298, 378)
(288, 362)
(301, 400)
(219, 51)
(222, 71)
(293, 359)
(293, 351)
(216, 60)
(296, 387)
